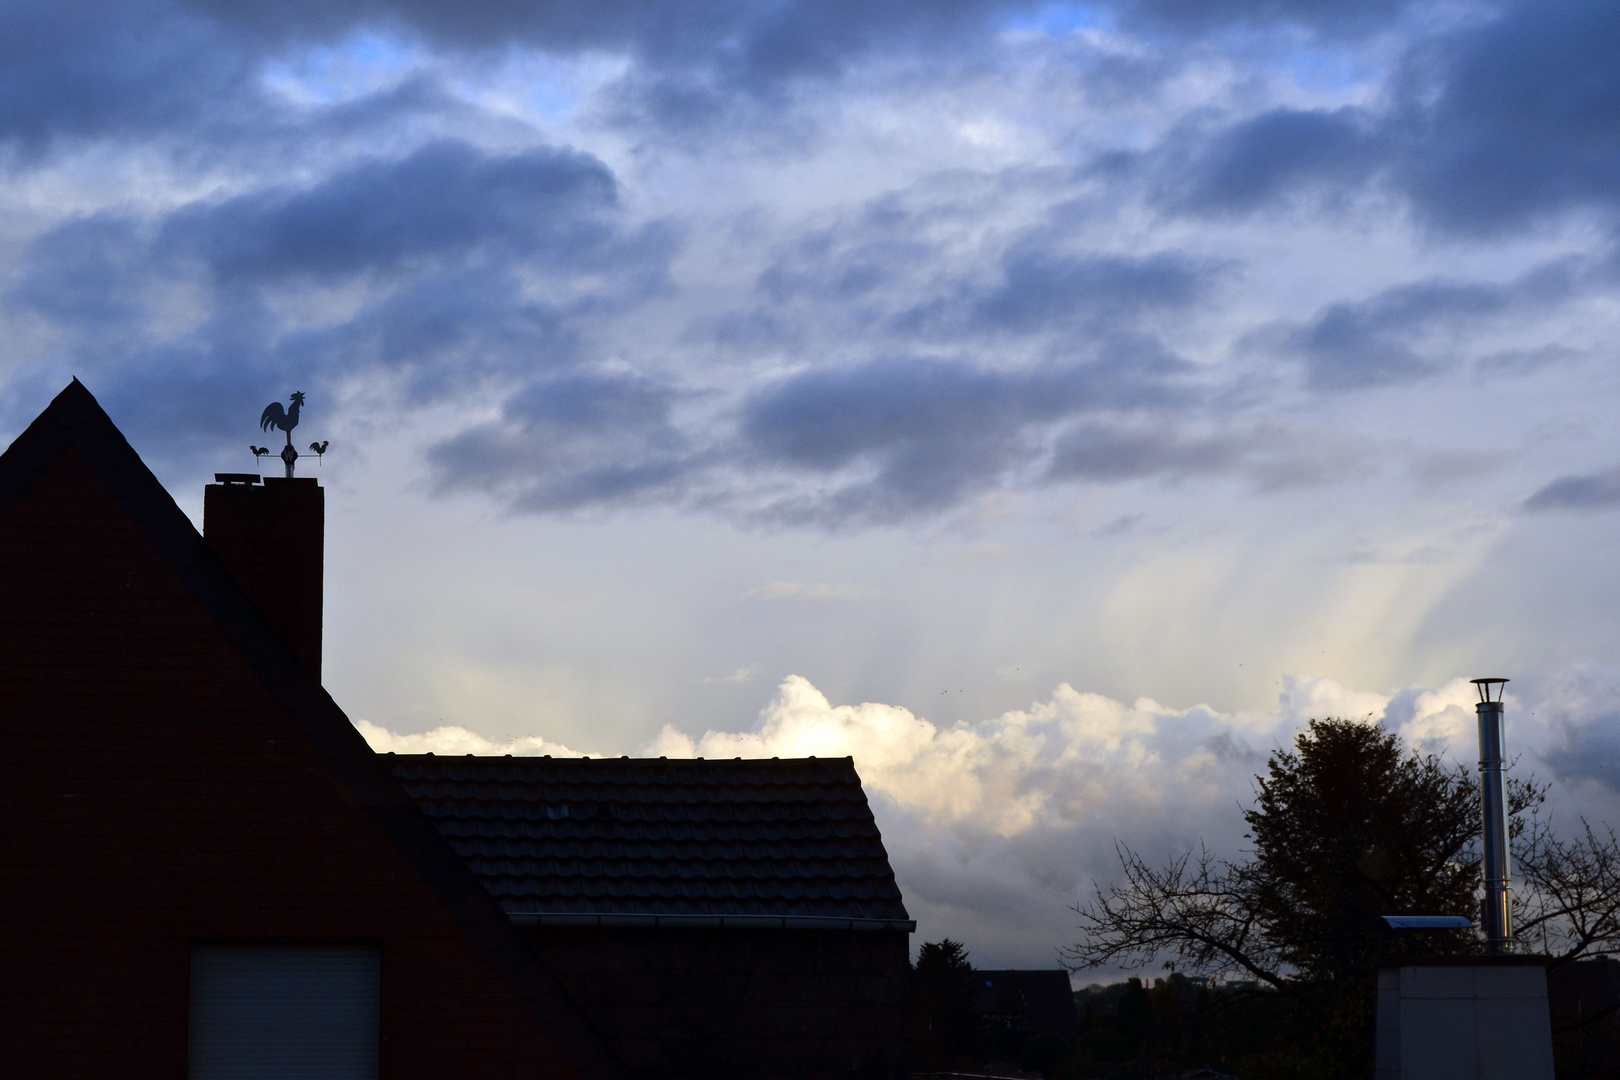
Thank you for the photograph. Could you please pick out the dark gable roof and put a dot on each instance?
(1040, 999)
(74, 420)
(642, 841)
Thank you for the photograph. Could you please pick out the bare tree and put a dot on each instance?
(1567, 896)
(1198, 909)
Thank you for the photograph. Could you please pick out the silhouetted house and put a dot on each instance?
(736, 913)
(1018, 1004)
(201, 859)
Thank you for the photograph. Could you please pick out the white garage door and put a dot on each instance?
(284, 1012)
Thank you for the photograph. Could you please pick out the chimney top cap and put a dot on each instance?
(236, 478)
(1485, 686)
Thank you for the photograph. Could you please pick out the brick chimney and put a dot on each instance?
(271, 536)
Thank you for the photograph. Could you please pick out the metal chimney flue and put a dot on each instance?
(1497, 911)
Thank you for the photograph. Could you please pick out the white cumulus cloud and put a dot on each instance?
(452, 739)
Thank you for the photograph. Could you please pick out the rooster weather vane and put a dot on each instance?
(274, 416)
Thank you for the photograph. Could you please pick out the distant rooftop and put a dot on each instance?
(644, 841)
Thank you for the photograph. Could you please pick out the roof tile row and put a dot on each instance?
(792, 837)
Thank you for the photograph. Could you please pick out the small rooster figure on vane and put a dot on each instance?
(274, 417)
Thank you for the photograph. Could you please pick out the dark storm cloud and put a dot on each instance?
(884, 268)
(696, 67)
(751, 40)
(825, 418)
(1590, 750)
(1484, 129)
(85, 274)
(443, 203)
(871, 443)
(883, 439)
(158, 75)
(1352, 346)
(1410, 332)
(459, 263)
(454, 267)
(1042, 289)
(916, 436)
(446, 207)
(124, 69)
(189, 73)
(1277, 154)
(447, 329)
(1331, 16)
(1594, 491)
(1526, 120)
(429, 224)
(569, 441)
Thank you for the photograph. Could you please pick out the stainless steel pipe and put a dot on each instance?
(1497, 865)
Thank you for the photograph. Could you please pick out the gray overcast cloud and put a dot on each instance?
(1142, 377)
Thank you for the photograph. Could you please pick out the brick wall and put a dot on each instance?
(743, 1004)
(153, 794)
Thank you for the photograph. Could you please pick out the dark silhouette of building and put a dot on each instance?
(714, 918)
(200, 856)
(1014, 1006)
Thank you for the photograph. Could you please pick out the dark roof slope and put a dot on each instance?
(74, 420)
(644, 840)
(1038, 1000)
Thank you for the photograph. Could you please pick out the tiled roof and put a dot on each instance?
(633, 840)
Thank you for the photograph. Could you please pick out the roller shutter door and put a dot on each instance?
(284, 1012)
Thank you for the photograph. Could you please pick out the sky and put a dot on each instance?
(1053, 406)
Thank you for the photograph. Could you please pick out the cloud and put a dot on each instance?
(1520, 117)
(891, 269)
(904, 437)
(1045, 290)
(440, 205)
(166, 68)
(1410, 332)
(447, 264)
(1581, 708)
(1273, 457)
(443, 211)
(995, 827)
(765, 34)
(902, 351)
(455, 741)
(1279, 154)
(880, 442)
(1485, 126)
(572, 440)
(121, 70)
(692, 67)
(1593, 491)
(778, 591)
(741, 675)
(1357, 345)
(1326, 16)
